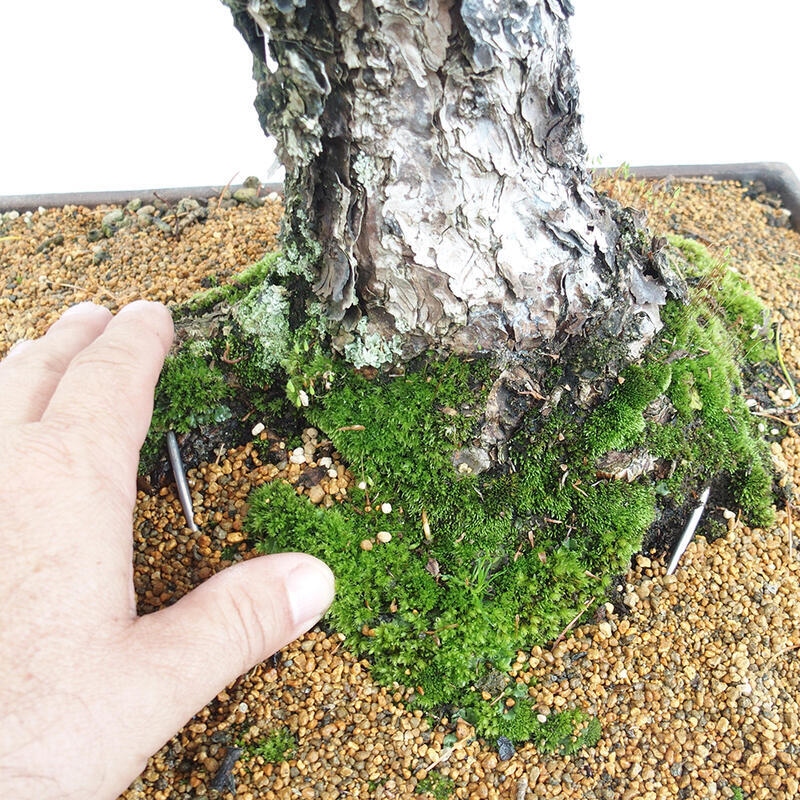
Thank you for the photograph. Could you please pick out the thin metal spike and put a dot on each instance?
(184, 495)
(688, 532)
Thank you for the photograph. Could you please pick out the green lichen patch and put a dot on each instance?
(477, 566)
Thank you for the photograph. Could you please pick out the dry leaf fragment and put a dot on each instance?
(433, 567)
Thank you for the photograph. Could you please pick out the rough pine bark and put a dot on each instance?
(433, 150)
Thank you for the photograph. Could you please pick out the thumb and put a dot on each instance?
(186, 654)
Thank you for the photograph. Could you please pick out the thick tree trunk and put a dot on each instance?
(433, 150)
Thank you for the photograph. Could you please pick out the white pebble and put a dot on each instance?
(325, 461)
(332, 473)
(298, 456)
(384, 536)
(259, 427)
(386, 508)
(362, 485)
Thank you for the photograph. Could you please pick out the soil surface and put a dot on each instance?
(694, 678)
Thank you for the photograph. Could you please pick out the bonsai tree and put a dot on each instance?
(520, 377)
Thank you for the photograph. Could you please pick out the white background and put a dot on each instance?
(96, 94)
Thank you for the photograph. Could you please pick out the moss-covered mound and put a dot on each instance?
(443, 574)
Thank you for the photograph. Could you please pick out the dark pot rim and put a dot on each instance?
(775, 175)
(119, 197)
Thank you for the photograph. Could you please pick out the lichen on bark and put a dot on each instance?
(433, 149)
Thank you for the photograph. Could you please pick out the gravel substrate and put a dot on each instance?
(695, 685)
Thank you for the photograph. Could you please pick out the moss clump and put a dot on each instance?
(436, 785)
(190, 393)
(480, 565)
(275, 748)
(706, 344)
(563, 732)
(510, 714)
(744, 316)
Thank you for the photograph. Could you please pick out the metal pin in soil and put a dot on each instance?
(184, 495)
(688, 532)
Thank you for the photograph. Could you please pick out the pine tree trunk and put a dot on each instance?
(433, 151)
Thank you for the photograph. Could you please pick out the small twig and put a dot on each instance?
(225, 189)
(779, 352)
(77, 288)
(574, 621)
(226, 356)
(776, 419)
(578, 489)
(443, 756)
(591, 575)
(426, 526)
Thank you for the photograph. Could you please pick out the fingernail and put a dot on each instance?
(310, 586)
(87, 307)
(138, 305)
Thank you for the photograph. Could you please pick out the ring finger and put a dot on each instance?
(31, 372)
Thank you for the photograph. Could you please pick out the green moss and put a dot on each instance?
(480, 565)
(190, 393)
(275, 748)
(619, 423)
(744, 314)
(511, 714)
(250, 278)
(436, 785)
(563, 732)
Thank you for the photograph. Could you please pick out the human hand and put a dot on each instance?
(88, 690)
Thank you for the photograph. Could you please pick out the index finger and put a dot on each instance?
(108, 387)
